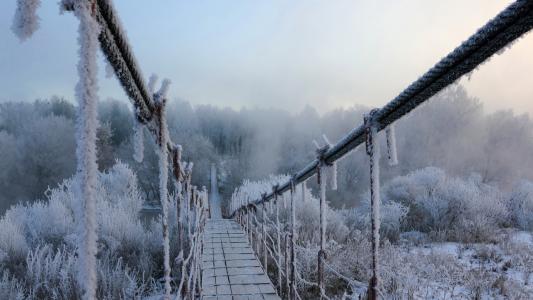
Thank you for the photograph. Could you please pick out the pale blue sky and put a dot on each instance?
(273, 53)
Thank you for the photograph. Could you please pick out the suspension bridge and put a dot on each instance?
(250, 255)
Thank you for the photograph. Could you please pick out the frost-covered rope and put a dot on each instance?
(292, 290)
(87, 124)
(163, 181)
(509, 25)
(194, 252)
(321, 178)
(26, 21)
(372, 150)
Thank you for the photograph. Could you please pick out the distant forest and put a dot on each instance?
(451, 132)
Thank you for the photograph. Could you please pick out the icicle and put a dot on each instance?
(372, 150)
(152, 82)
(332, 168)
(333, 175)
(26, 21)
(163, 90)
(138, 141)
(316, 144)
(391, 145)
(87, 124)
(303, 190)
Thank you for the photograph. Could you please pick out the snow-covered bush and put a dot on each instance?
(392, 214)
(13, 245)
(51, 274)
(48, 221)
(453, 208)
(521, 205)
(38, 243)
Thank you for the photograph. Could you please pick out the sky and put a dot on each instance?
(275, 53)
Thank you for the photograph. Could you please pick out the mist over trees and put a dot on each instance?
(451, 132)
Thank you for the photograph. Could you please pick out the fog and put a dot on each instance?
(453, 132)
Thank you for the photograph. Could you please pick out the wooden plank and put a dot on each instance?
(230, 268)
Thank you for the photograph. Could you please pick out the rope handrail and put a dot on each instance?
(149, 110)
(506, 27)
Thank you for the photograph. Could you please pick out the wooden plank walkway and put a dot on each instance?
(230, 268)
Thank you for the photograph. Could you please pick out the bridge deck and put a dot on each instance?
(229, 266)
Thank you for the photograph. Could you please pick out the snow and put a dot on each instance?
(87, 124)
(26, 21)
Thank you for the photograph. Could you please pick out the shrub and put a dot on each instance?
(521, 205)
(48, 228)
(463, 209)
